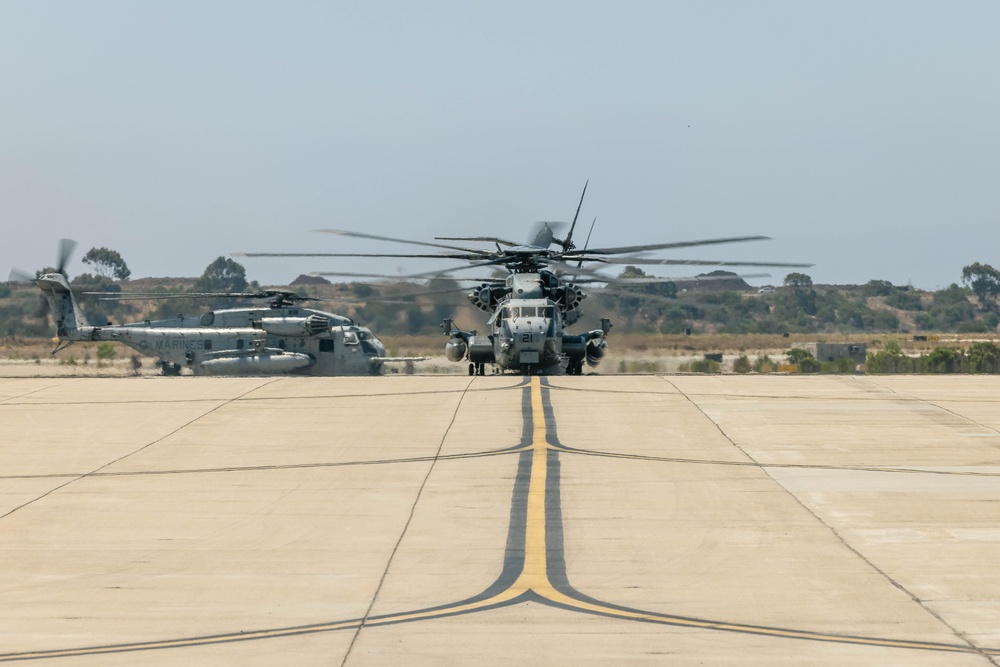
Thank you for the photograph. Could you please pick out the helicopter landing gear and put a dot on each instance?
(575, 367)
(168, 369)
(477, 369)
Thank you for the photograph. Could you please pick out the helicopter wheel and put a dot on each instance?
(472, 369)
(481, 369)
(168, 369)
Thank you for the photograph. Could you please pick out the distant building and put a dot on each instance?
(833, 351)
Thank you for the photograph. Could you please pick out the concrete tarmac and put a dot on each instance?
(436, 520)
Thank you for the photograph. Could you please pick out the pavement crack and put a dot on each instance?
(406, 526)
(97, 471)
(973, 648)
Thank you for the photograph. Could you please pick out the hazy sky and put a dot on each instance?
(863, 136)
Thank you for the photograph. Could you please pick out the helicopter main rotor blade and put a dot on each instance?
(174, 295)
(405, 298)
(568, 241)
(493, 262)
(655, 280)
(265, 294)
(467, 257)
(587, 242)
(696, 262)
(680, 244)
(484, 239)
(361, 235)
(400, 278)
(346, 274)
(19, 276)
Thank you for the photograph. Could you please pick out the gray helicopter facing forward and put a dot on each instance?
(532, 307)
(280, 337)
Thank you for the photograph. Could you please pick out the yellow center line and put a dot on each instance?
(534, 575)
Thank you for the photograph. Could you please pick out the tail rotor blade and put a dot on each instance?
(66, 248)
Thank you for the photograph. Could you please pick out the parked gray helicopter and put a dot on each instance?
(278, 338)
(531, 308)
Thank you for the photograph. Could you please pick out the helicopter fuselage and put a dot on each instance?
(529, 313)
(527, 336)
(252, 341)
(234, 341)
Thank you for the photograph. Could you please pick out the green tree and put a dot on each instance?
(984, 357)
(801, 286)
(945, 360)
(641, 294)
(107, 263)
(742, 365)
(797, 280)
(890, 359)
(949, 311)
(630, 272)
(98, 308)
(416, 319)
(764, 364)
(804, 359)
(797, 354)
(223, 275)
(984, 281)
(877, 288)
(904, 300)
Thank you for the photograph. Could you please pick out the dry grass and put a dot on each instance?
(627, 353)
(630, 344)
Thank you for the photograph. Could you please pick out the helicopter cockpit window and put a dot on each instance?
(350, 338)
(509, 312)
(534, 311)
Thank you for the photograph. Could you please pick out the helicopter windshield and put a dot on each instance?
(527, 311)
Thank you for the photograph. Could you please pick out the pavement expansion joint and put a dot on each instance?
(534, 566)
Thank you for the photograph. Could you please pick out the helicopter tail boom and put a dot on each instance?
(66, 311)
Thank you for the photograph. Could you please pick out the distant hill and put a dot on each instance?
(722, 302)
(714, 281)
(304, 279)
